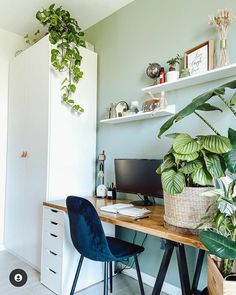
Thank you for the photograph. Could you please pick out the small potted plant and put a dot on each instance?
(173, 74)
(221, 242)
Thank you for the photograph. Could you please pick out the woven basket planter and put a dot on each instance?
(183, 212)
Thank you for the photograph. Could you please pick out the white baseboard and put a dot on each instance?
(150, 281)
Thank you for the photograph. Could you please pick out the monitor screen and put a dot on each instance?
(138, 176)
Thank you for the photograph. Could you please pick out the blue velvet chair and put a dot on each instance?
(90, 241)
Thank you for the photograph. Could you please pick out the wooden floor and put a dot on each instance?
(123, 285)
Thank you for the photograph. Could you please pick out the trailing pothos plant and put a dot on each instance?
(221, 239)
(66, 36)
(199, 160)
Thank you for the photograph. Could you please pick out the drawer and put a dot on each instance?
(53, 215)
(51, 279)
(53, 228)
(52, 243)
(51, 260)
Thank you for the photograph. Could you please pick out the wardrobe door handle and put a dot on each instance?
(53, 253)
(55, 236)
(52, 270)
(54, 223)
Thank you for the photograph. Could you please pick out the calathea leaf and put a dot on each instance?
(184, 144)
(230, 157)
(172, 182)
(213, 165)
(233, 99)
(172, 135)
(202, 177)
(189, 167)
(218, 245)
(168, 163)
(188, 158)
(215, 143)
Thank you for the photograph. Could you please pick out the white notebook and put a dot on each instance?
(126, 209)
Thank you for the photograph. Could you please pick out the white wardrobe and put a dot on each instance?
(51, 149)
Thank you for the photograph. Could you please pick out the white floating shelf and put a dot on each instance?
(216, 74)
(170, 110)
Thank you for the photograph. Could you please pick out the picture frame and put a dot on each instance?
(200, 58)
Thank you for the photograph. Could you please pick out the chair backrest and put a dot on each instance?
(86, 230)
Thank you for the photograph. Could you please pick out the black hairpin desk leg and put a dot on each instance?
(183, 269)
(197, 272)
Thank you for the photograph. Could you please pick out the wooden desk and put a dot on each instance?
(154, 225)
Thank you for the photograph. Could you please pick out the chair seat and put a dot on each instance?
(122, 249)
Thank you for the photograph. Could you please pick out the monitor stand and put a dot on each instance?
(144, 202)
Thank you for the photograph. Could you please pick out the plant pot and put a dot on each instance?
(217, 285)
(183, 212)
(172, 76)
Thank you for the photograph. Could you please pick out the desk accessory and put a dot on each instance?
(101, 189)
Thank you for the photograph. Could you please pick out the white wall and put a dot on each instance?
(9, 44)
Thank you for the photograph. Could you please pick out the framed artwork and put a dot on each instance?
(200, 58)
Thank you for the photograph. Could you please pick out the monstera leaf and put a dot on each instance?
(218, 245)
(213, 165)
(184, 144)
(206, 107)
(215, 143)
(230, 157)
(172, 182)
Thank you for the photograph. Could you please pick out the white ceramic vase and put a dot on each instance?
(172, 76)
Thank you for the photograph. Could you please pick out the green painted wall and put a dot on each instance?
(143, 32)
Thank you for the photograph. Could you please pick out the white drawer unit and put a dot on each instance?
(59, 259)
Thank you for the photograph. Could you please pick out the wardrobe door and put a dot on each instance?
(16, 204)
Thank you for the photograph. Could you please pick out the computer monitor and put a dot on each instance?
(138, 176)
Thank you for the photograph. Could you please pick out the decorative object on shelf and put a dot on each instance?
(184, 73)
(153, 72)
(151, 104)
(113, 113)
(101, 188)
(134, 107)
(204, 158)
(162, 76)
(66, 36)
(199, 59)
(173, 74)
(121, 108)
(221, 21)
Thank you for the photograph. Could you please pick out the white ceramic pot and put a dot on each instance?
(172, 76)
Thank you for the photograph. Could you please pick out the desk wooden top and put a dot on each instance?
(154, 225)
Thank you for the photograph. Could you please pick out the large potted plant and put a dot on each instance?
(221, 242)
(195, 162)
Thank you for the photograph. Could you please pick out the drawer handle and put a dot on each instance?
(54, 223)
(52, 271)
(55, 236)
(53, 253)
(54, 211)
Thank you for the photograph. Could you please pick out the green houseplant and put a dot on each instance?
(196, 161)
(66, 36)
(173, 74)
(221, 239)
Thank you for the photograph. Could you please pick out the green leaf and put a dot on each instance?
(230, 157)
(189, 167)
(202, 177)
(231, 85)
(72, 87)
(218, 245)
(215, 143)
(184, 144)
(188, 158)
(213, 165)
(233, 99)
(168, 163)
(231, 187)
(188, 110)
(172, 135)
(206, 107)
(172, 182)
